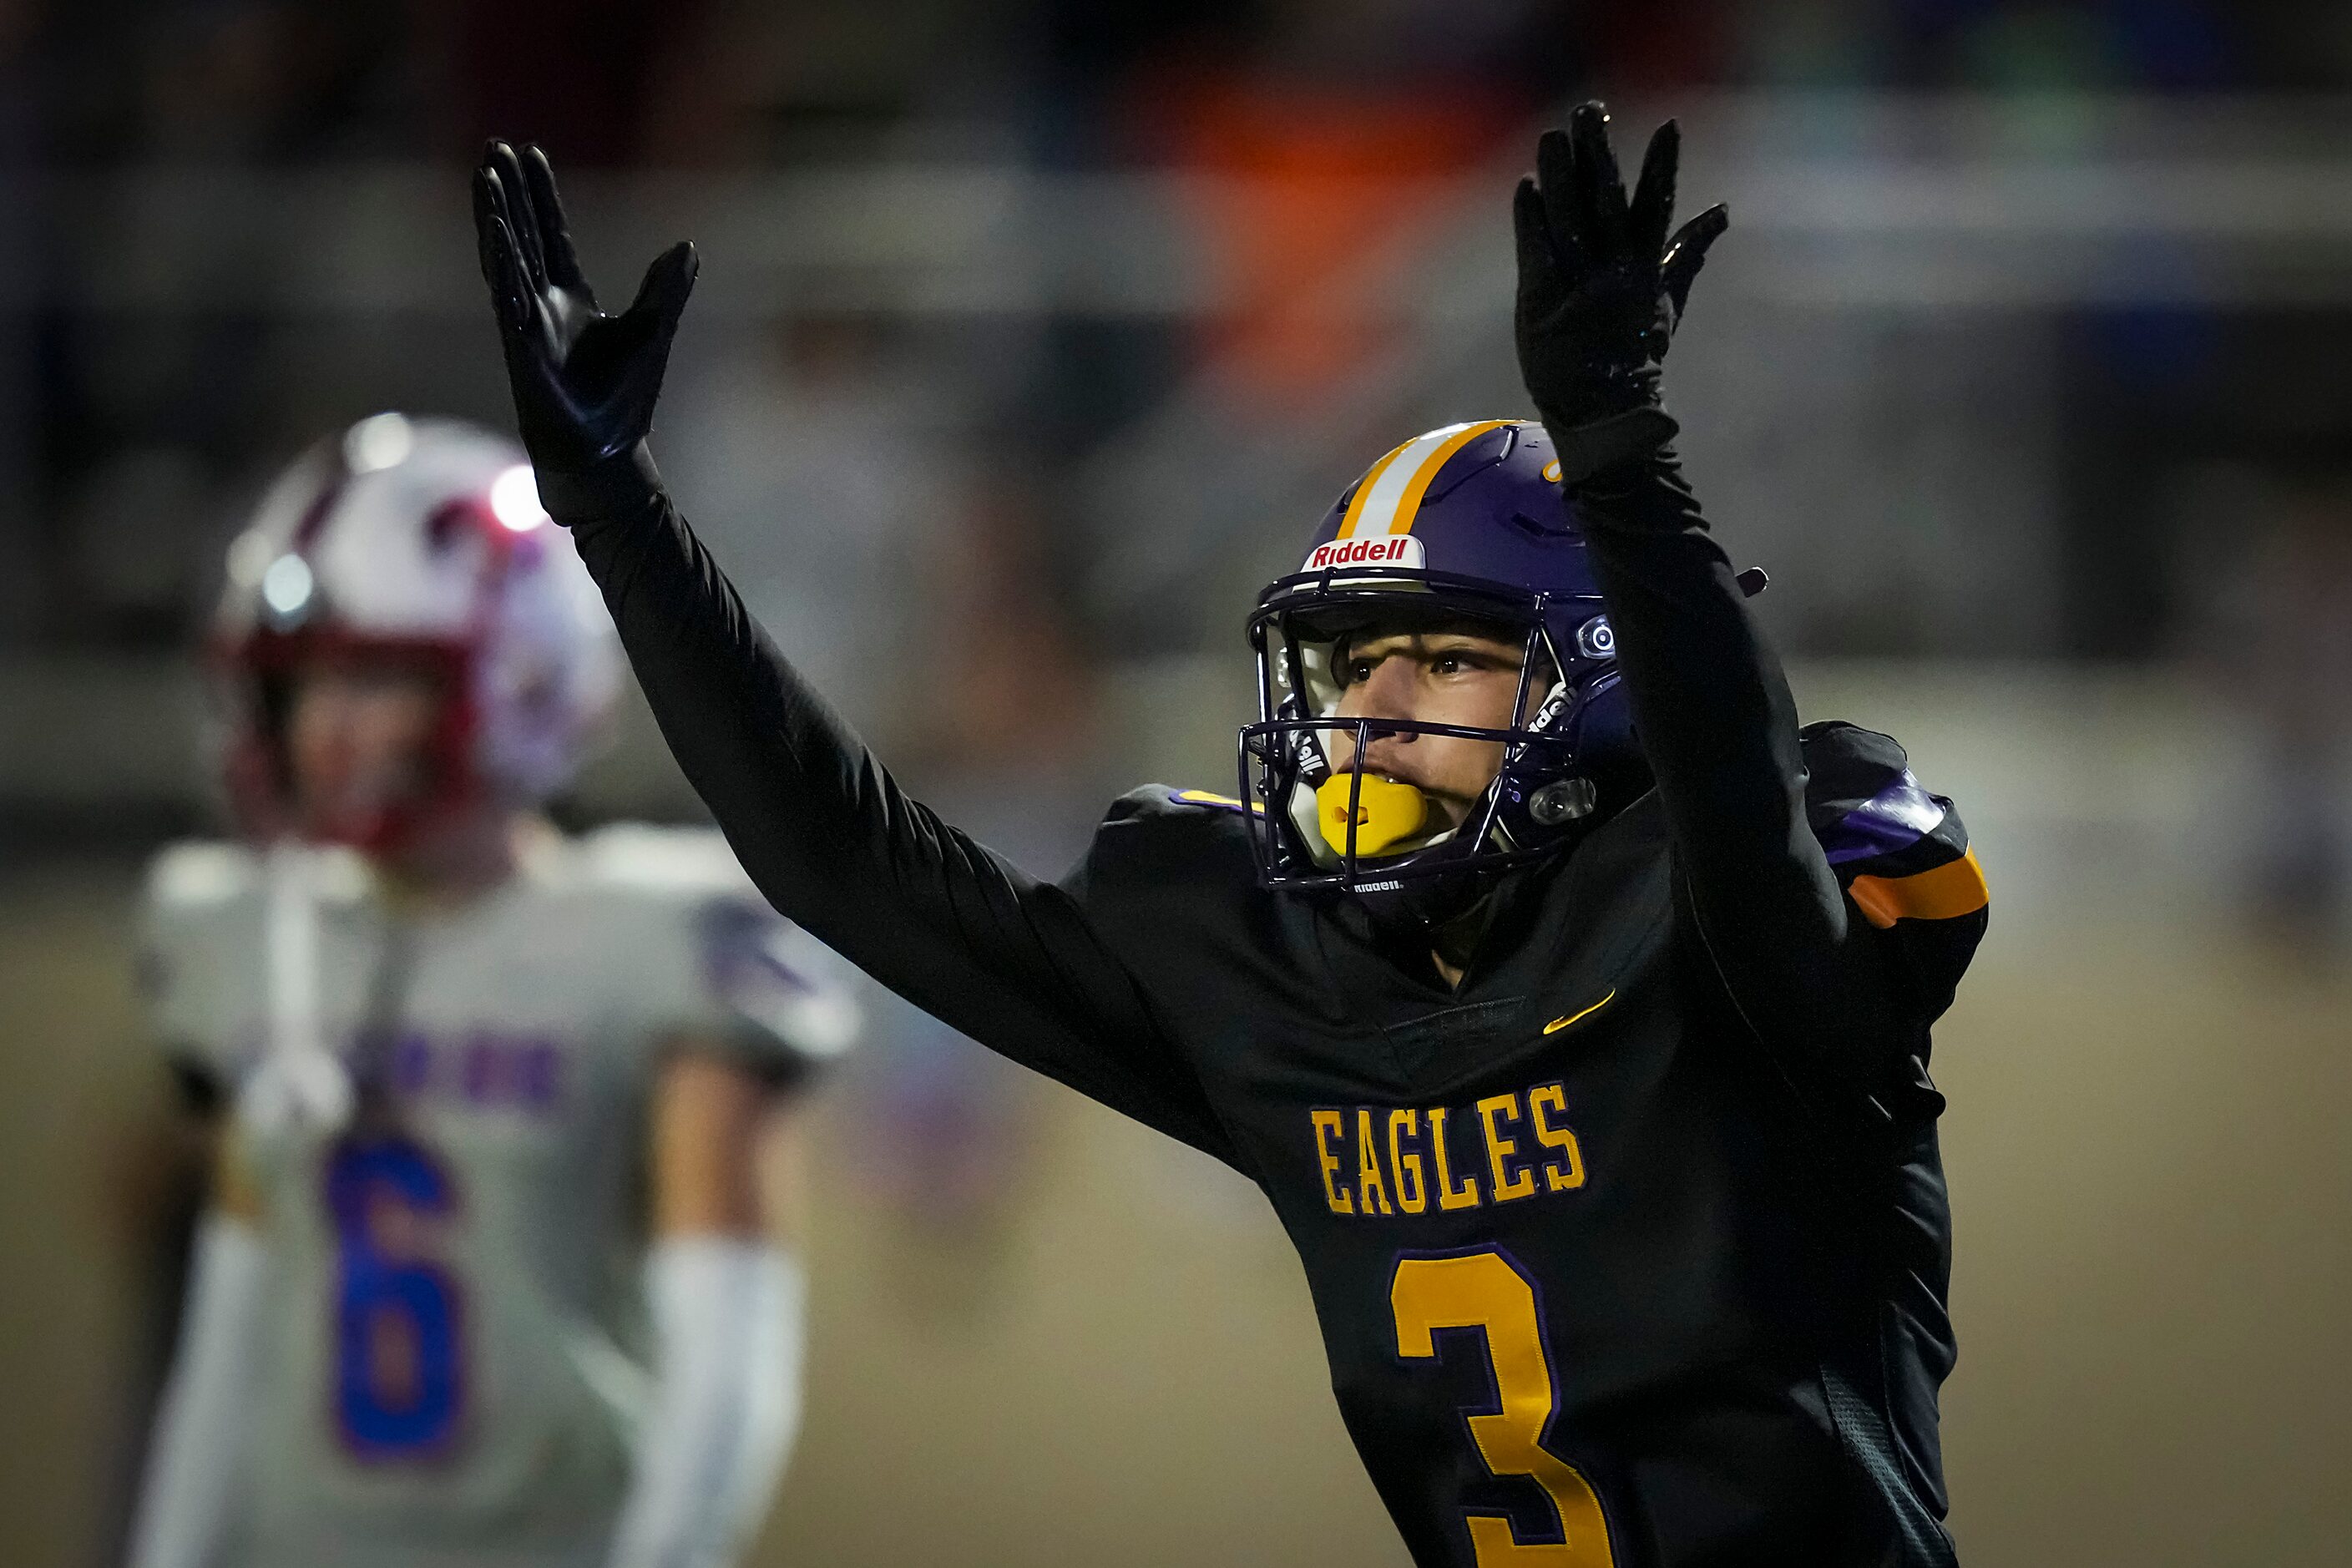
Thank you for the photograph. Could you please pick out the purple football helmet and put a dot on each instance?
(1465, 525)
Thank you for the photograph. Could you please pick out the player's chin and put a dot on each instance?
(355, 817)
(1448, 812)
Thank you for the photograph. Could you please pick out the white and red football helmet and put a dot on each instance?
(421, 540)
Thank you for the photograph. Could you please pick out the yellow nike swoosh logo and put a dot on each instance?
(1556, 1024)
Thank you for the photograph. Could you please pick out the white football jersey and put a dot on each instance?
(456, 1355)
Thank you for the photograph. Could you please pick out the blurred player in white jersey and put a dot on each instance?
(489, 1276)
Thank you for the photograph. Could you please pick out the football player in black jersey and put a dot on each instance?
(1570, 1004)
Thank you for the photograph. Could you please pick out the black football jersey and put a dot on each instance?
(1587, 1261)
(1628, 1250)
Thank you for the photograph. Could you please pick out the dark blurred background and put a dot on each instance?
(1030, 341)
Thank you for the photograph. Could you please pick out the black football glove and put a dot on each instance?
(1601, 290)
(584, 383)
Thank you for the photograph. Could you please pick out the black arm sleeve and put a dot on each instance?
(835, 845)
(1718, 726)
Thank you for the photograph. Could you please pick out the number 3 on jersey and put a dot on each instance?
(1485, 1291)
(399, 1383)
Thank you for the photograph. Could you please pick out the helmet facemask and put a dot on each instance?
(409, 797)
(1349, 829)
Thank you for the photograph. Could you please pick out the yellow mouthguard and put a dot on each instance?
(1386, 812)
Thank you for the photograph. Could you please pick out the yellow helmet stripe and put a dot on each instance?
(1392, 492)
(1364, 490)
(1408, 505)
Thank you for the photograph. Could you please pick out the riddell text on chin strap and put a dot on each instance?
(1386, 813)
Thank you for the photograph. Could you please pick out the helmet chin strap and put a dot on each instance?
(1389, 816)
(1417, 908)
(300, 1081)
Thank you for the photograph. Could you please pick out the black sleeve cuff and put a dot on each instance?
(1600, 446)
(621, 483)
(1648, 496)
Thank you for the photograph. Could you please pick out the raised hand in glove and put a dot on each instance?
(1602, 290)
(584, 383)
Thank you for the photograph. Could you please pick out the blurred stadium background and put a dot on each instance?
(1031, 340)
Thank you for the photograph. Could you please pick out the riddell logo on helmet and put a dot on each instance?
(1378, 550)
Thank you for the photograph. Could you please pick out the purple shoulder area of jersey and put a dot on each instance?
(1895, 818)
(744, 949)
